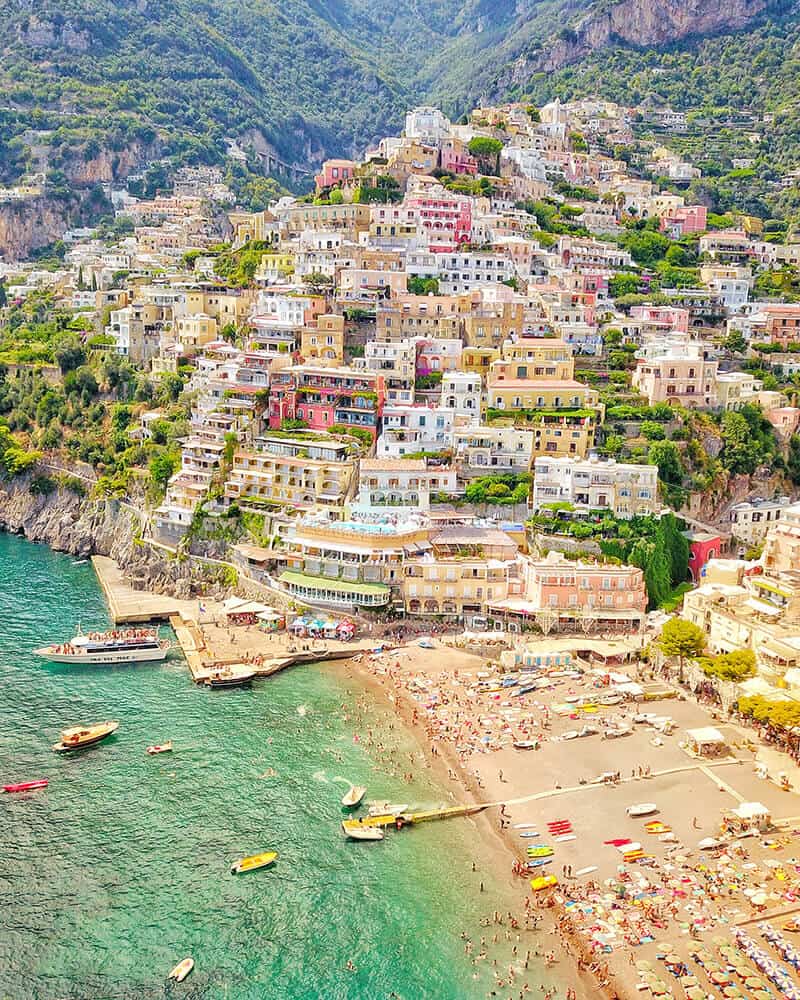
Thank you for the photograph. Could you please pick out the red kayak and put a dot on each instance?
(26, 786)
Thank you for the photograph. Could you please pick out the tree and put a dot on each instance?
(652, 430)
(487, 152)
(318, 283)
(666, 455)
(736, 666)
(740, 452)
(681, 638)
(624, 283)
(162, 467)
(735, 342)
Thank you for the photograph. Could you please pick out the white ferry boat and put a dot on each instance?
(135, 645)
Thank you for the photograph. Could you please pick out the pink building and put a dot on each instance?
(683, 377)
(785, 420)
(333, 172)
(577, 590)
(455, 159)
(688, 219)
(703, 545)
(323, 396)
(661, 318)
(447, 221)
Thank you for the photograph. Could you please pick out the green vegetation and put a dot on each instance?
(682, 639)
(736, 666)
(784, 715)
(500, 490)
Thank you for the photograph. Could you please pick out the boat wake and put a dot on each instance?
(320, 776)
(302, 710)
(342, 781)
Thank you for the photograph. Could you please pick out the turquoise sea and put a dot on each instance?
(121, 867)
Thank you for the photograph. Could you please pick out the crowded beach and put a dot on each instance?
(643, 833)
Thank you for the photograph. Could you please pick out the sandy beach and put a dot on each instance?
(611, 909)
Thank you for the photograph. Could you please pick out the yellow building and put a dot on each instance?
(353, 219)
(195, 331)
(324, 343)
(224, 306)
(478, 359)
(467, 568)
(310, 471)
(275, 266)
(489, 325)
(536, 357)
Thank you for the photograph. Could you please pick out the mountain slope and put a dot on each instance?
(295, 79)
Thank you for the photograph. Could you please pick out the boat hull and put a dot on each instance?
(26, 786)
(90, 741)
(109, 658)
(254, 862)
(230, 682)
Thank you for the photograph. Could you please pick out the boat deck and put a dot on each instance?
(409, 819)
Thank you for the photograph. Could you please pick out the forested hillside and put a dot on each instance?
(297, 80)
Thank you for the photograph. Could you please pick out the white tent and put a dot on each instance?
(751, 811)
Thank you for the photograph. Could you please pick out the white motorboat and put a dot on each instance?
(364, 832)
(134, 645)
(387, 808)
(642, 809)
(354, 796)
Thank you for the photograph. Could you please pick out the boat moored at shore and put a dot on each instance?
(79, 737)
(136, 645)
(230, 677)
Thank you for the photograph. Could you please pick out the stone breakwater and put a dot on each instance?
(83, 527)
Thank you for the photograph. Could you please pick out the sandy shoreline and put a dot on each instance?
(609, 915)
(465, 788)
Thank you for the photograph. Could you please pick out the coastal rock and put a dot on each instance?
(83, 527)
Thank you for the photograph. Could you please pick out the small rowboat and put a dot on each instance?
(387, 808)
(356, 832)
(354, 796)
(657, 827)
(540, 851)
(524, 744)
(182, 970)
(254, 861)
(642, 809)
(160, 747)
(26, 786)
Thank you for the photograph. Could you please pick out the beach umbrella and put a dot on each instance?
(689, 981)
(644, 966)
(695, 993)
(753, 983)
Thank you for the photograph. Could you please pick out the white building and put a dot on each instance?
(482, 451)
(386, 484)
(461, 272)
(428, 125)
(461, 395)
(596, 484)
(751, 520)
(408, 430)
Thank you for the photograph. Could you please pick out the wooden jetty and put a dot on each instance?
(412, 819)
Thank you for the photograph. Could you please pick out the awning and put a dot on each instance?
(763, 608)
(337, 586)
(705, 736)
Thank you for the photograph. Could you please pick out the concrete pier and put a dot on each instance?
(129, 605)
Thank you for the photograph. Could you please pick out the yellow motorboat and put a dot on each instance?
(253, 862)
(78, 737)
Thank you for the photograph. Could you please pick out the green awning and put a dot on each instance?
(340, 586)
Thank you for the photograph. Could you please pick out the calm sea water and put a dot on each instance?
(121, 867)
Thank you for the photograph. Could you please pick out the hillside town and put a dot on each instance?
(502, 389)
(490, 376)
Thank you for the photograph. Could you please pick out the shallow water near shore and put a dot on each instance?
(121, 866)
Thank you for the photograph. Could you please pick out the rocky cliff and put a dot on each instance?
(640, 23)
(38, 222)
(82, 527)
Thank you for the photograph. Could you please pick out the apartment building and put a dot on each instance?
(326, 396)
(395, 361)
(464, 570)
(752, 519)
(681, 376)
(576, 591)
(484, 451)
(409, 429)
(596, 484)
(354, 551)
(324, 342)
(734, 389)
(304, 472)
(388, 483)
